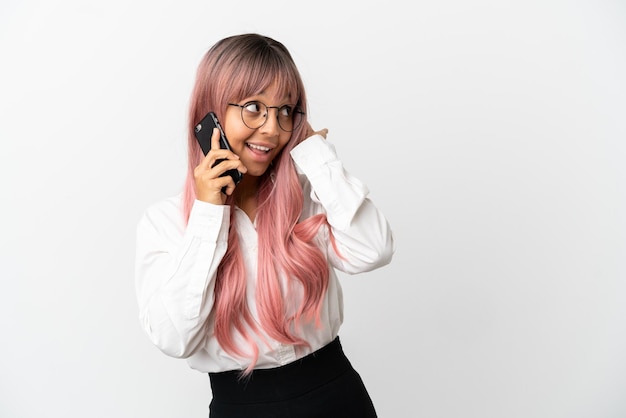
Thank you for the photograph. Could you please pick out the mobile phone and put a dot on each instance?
(203, 131)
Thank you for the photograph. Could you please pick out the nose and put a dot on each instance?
(271, 126)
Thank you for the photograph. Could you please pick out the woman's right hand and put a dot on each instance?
(209, 184)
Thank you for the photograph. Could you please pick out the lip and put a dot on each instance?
(260, 155)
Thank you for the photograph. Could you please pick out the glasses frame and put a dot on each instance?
(295, 109)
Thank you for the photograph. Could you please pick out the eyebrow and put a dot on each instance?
(285, 102)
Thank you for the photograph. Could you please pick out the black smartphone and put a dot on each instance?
(204, 131)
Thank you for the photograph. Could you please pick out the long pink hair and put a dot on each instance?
(235, 68)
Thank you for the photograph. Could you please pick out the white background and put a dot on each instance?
(491, 133)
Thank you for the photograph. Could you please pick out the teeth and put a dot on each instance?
(260, 148)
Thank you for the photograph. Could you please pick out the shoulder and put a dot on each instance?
(165, 207)
(166, 213)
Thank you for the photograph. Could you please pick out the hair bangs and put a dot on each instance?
(265, 69)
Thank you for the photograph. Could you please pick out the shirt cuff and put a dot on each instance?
(339, 193)
(209, 221)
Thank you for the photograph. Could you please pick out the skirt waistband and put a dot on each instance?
(284, 382)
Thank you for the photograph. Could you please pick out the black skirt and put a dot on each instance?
(321, 385)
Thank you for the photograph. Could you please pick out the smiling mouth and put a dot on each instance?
(258, 148)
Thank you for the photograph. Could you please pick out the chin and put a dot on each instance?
(256, 172)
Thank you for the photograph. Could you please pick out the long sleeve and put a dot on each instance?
(177, 262)
(175, 272)
(362, 233)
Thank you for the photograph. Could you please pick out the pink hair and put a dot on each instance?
(235, 68)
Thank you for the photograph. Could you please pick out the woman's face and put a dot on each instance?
(257, 148)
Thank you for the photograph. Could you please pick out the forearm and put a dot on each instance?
(361, 232)
(175, 275)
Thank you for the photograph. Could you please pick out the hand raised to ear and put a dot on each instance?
(310, 131)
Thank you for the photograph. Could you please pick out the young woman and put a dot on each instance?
(240, 279)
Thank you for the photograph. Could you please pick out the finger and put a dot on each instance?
(222, 166)
(217, 186)
(322, 132)
(213, 155)
(230, 187)
(204, 173)
(215, 139)
(209, 189)
(216, 153)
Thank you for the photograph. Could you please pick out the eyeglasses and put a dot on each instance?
(255, 114)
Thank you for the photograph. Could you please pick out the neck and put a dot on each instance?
(247, 188)
(246, 195)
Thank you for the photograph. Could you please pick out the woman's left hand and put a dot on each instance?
(310, 131)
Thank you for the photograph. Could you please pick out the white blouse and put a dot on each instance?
(176, 264)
